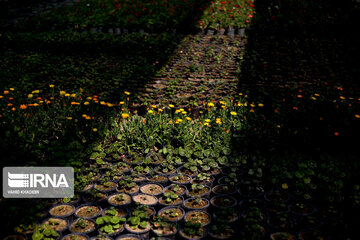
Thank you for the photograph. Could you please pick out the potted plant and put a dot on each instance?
(228, 215)
(115, 211)
(223, 201)
(145, 199)
(180, 179)
(250, 189)
(198, 216)
(151, 189)
(196, 203)
(220, 230)
(302, 208)
(163, 228)
(122, 167)
(198, 190)
(119, 199)
(193, 231)
(19, 237)
(62, 210)
(158, 178)
(45, 232)
(129, 237)
(56, 224)
(170, 198)
(127, 185)
(224, 189)
(75, 200)
(88, 211)
(254, 213)
(204, 179)
(165, 168)
(143, 209)
(26, 229)
(139, 223)
(110, 224)
(82, 225)
(175, 188)
(253, 230)
(188, 169)
(172, 214)
(74, 236)
(308, 234)
(282, 236)
(281, 222)
(134, 159)
(277, 195)
(106, 186)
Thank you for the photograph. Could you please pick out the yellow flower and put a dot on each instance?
(284, 186)
(89, 98)
(223, 106)
(178, 121)
(278, 126)
(222, 102)
(86, 103)
(184, 112)
(11, 89)
(150, 111)
(206, 124)
(188, 118)
(84, 115)
(240, 94)
(121, 103)
(260, 105)
(160, 110)
(240, 104)
(252, 105)
(127, 93)
(73, 95)
(67, 95)
(313, 98)
(102, 103)
(110, 104)
(35, 91)
(170, 121)
(153, 106)
(69, 118)
(95, 129)
(181, 109)
(88, 117)
(75, 103)
(316, 95)
(177, 111)
(30, 96)
(1, 97)
(210, 105)
(207, 120)
(51, 85)
(341, 97)
(251, 110)
(36, 104)
(125, 115)
(62, 93)
(233, 113)
(170, 105)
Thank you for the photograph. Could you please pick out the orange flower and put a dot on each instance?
(13, 109)
(337, 133)
(357, 115)
(23, 106)
(299, 96)
(295, 108)
(9, 104)
(6, 92)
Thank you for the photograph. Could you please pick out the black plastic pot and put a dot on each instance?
(164, 204)
(68, 216)
(144, 234)
(66, 224)
(203, 212)
(157, 185)
(169, 208)
(126, 204)
(229, 202)
(77, 235)
(88, 232)
(88, 205)
(204, 208)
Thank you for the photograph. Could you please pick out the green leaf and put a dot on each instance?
(299, 174)
(134, 220)
(114, 220)
(307, 180)
(100, 220)
(143, 224)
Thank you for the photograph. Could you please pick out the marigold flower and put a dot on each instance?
(69, 118)
(35, 91)
(177, 111)
(84, 115)
(206, 124)
(160, 110)
(13, 109)
(170, 105)
(251, 110)
(343, 98)
(30, 96)
(337, 133)
(299, 96)
(150, 111)
(121, 103)
(10, 104)
(153, 106)
(110, 104)
(51, 85)
(86, 103)
(73, 95)
(62, 93)
(127, 93)
(316, 95)
(252, 105)
(260, 105)
(295, 108)
(88, 118)
(357, 115)
(184, 112)
(95, 129)
(23, 106)
(222, 102)
(1, 97)
(284, 186)
(36, 104)
(207, 120)
(240, 94)
(188, 118)
(170, 121)
(233, 113)
(125, 115)
(210, 105)
(11, 89)
(313, 98)
(67, 95)
(6, 92)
